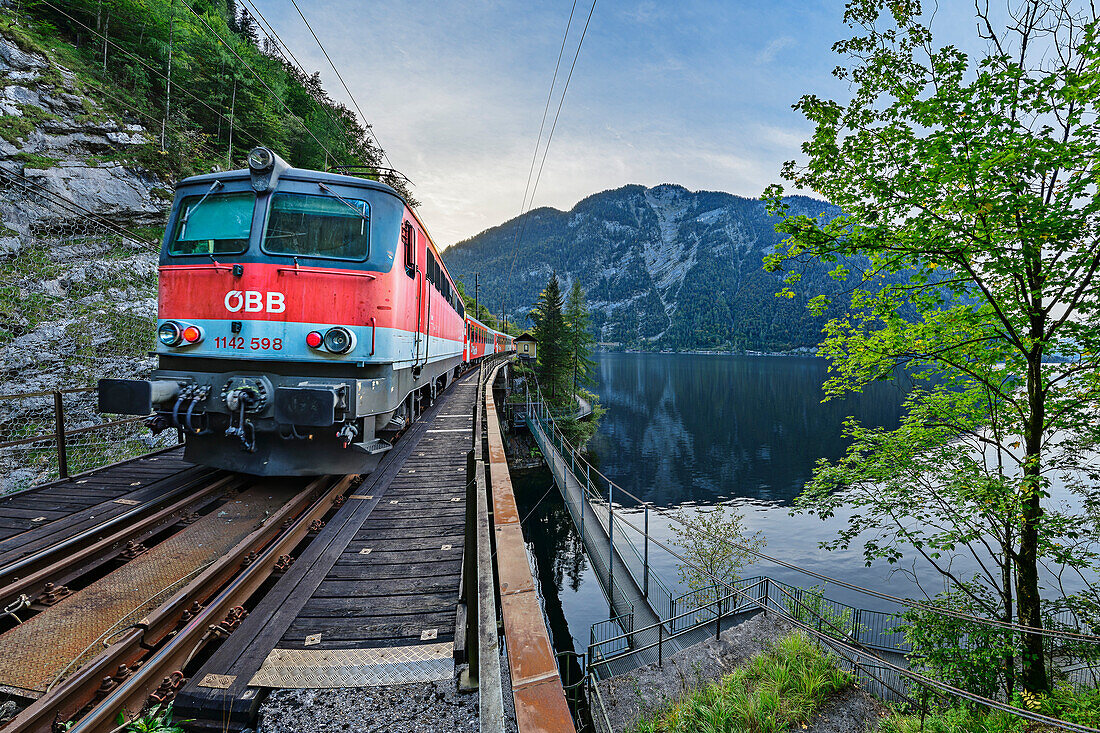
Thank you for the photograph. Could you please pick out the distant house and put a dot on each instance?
(526, 347)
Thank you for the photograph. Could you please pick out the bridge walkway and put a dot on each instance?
(638, 598)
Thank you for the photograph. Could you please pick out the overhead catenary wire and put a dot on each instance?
(19, 179)
(834, 641)
(910, 603)
(146, 65)
(565, 90)
(545, 112)
(362, 116)
(274, 35)
(258, 77)
(838, 644)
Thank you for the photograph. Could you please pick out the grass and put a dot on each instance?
(779, 688)
(32, 160)
(1081, 707)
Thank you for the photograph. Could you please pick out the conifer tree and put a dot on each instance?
(550, 333)
(579, 339)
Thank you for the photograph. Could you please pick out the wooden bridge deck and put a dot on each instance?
(70, 505)
(373, 599)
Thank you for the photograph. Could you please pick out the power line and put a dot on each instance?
(839, 645)
(140, 60)
(538, 140)
(834, 642)
(546, 109)
(565, 89)
(561, 101)
(271, 33)
(259, 78)
(19, 179)
(362, 116)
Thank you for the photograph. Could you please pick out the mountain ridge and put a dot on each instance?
(662, 266)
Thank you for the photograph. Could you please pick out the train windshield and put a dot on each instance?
(214, 224)
(309, 225)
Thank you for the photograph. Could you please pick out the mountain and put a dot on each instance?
(662, 267)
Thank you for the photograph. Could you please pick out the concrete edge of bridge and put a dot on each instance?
(540, 701)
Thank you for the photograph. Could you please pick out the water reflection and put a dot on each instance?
(699, 428)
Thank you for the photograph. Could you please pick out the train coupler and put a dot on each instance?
(242, 428)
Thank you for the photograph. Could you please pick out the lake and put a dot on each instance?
(685, 431)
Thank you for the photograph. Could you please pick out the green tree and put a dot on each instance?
(969, 186)
(551, 335)
(717, 546)
(579, 339)
(225, 95)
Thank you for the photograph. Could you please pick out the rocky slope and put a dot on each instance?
(76, 285)
(78, 295)
(662, 267)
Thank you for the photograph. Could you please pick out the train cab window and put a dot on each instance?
(217, 224)
(408, 242)
(318, 226)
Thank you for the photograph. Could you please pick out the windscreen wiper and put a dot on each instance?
(339, 198)
(190, 210)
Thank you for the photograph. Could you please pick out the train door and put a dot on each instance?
(410, 244)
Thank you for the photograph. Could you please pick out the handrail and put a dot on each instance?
(653, 627)
(297, 270)
(45, 393)
(77, 431)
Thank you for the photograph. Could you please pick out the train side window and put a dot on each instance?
(408, 240)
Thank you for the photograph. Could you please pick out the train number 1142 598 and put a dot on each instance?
(254, 344)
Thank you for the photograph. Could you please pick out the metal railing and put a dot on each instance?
(55, 434)
(596, 504)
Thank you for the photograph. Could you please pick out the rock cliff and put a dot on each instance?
(78, 285)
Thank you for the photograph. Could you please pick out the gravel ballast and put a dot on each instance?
(413, 708)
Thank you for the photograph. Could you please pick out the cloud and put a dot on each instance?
(774, 47)
(455, 92)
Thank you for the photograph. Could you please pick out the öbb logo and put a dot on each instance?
(253, 301)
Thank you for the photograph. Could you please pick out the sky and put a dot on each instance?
(696, 93)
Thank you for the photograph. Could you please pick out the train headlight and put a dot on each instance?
(192, 334)
(314, 339)
(339, 340)
(260, 159)
(170, 333)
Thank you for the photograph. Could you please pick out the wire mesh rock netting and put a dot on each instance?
(78, 302)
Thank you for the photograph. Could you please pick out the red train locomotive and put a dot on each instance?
(301, 316)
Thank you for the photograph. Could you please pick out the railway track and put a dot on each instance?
(203, 573)
(160, 578)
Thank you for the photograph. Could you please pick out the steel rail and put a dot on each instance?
(86, 550)
(178, 629)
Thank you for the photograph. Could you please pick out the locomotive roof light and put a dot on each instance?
(170, 333)
(265, 167)
(339, 340)
(260, 159)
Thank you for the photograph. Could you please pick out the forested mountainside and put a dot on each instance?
(662, 267)
(203, 78)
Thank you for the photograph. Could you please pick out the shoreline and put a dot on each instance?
(807, 352)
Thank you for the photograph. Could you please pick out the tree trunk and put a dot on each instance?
(1028, 609)
(1010, 636)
